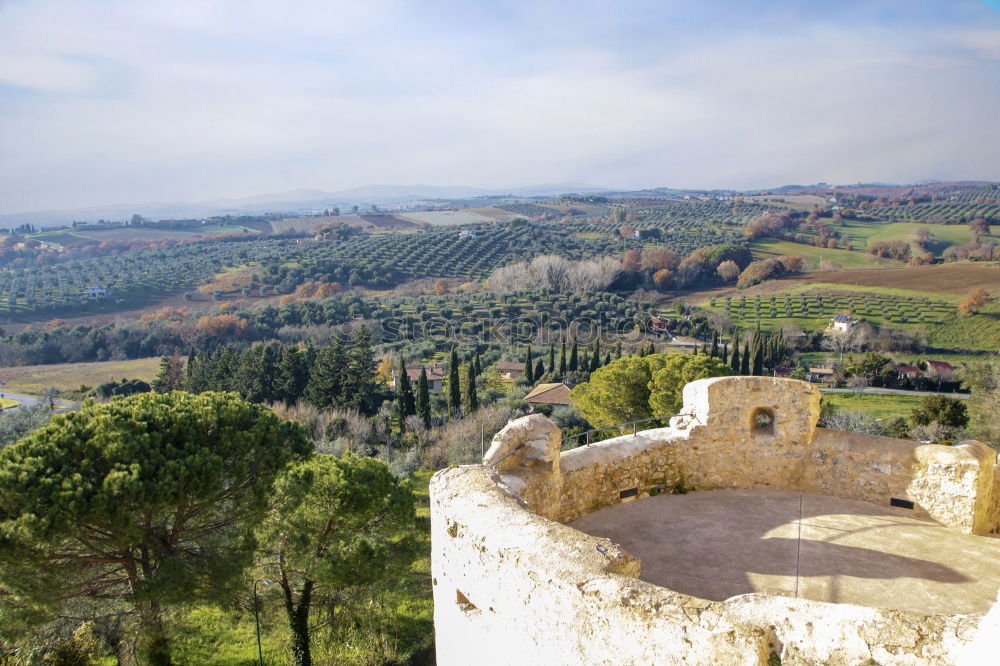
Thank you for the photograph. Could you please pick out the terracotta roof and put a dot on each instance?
(550, 394)
(510, 365)
(434, 373)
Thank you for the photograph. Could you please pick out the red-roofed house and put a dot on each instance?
(435, 378)
(510, 369)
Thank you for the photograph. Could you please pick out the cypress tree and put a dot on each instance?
(585, 362)
(734, 360)
(607, 359)
(595, 359)
(454, 388)
(758, 360)
(529, 369)
(725, 352)
(574, 360)
(562, 358)
(618, 350)
(715, 345)
(552, 357)
(404, 393)
(189, 367)
(471, 398)
(424, 398)
(745, 359)
(539, 370)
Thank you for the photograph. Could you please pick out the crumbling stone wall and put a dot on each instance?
(512, 587)
(713, 444)
(513, 584)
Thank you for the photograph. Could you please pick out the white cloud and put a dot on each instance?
(149, 101)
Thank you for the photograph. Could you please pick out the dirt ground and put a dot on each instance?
(958, 278)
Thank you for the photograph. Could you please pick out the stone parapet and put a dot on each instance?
(514, 584)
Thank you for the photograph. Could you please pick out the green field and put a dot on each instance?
(957, 234)
(978, 332)
(768, 247)
(884, 407)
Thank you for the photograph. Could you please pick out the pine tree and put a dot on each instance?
(574, 359)
(360, 393)
(292, 375)
(404, 393)
(734, 360)
(562, 358)
(424, 398)
(714, 353)
(454, 388)
(471, 398)
(256, 369)
(171, 374)
(745, 360)
(328, 378)
(529, 369)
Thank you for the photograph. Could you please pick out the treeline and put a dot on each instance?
(338, 375)
(665, 269)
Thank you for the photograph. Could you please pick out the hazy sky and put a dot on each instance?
(106, 101)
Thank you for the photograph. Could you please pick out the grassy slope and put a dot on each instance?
(879, 406)
(981, 331)
(69, 376)
(956, 234)
(768, 247)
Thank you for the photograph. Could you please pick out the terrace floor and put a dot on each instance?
(722, 543)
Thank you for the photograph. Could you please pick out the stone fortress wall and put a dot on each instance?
(513, 583)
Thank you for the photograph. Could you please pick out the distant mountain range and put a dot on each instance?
(293, 201)
(310, 200)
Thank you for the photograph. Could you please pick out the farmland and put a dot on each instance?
(879, 406)
(69, 376)
(312, 223)
(446, 217)
(70, 238)
(814, 256)
(811, 308)
(957, 278)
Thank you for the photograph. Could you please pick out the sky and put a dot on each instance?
(111, 101)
